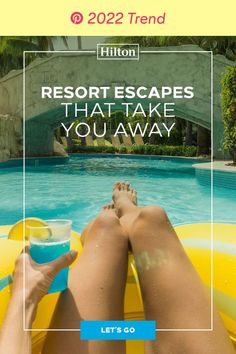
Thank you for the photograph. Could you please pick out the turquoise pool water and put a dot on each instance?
(77, 190)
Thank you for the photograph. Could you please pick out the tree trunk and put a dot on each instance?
(233, 154)
(189, 131)
(203, 140)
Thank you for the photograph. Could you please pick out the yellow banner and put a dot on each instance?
(149, 17)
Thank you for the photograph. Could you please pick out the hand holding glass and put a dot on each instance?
(49, 242)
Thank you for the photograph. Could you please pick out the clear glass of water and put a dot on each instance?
(49, 242)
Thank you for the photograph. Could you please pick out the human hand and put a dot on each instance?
(38, 277)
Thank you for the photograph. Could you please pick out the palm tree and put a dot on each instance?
(12, 48)
(219, 45)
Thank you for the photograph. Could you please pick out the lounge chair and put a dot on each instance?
(138, 139)
(59, 149)
(89, 140)
(115, 141)
(127, 140)
(101, 142)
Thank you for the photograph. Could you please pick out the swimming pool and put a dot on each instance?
(76, 190)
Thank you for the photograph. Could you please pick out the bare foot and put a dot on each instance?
(124, 198)
(110, 206)
(125, 201)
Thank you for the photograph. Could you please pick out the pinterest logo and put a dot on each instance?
(76, 17)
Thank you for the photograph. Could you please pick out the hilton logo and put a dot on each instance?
(117, 51)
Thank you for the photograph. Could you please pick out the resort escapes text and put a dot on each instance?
(83, 102)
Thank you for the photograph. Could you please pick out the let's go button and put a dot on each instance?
(118, 330)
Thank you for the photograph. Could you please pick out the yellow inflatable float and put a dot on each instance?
(196, 239)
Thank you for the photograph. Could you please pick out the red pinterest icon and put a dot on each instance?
(76, 17)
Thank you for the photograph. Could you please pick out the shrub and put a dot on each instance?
(95, 149)
(188, 151)
(137, 149)
(229, 110)
(76, 141)
(122, 150)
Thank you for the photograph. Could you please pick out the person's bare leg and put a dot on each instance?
(96, 289)
(172, 291)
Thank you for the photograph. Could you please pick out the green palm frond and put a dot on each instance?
(219, 45)
(16, 46)
(12, 48)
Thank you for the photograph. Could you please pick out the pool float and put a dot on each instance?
(196, 239)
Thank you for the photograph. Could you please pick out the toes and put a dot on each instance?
(124, 186)
(109, 206)
(121, 186)
(116, 185)
(134, 196)
(127, 186)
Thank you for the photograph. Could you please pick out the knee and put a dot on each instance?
(104, 221)
(153, 214)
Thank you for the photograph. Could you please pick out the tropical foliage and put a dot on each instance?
(219, 45)
(229, 110)
(12, 48)
(140, 150)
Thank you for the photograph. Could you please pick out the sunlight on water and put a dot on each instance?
(79, 189)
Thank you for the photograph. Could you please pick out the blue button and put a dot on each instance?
(118, 330)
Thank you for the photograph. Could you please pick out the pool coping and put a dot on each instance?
(219, 166)
(17, 162)
(140, 155)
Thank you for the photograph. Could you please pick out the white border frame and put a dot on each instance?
(212, 187)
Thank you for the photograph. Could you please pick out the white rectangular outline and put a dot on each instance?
(212, 187)
(120, 58)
